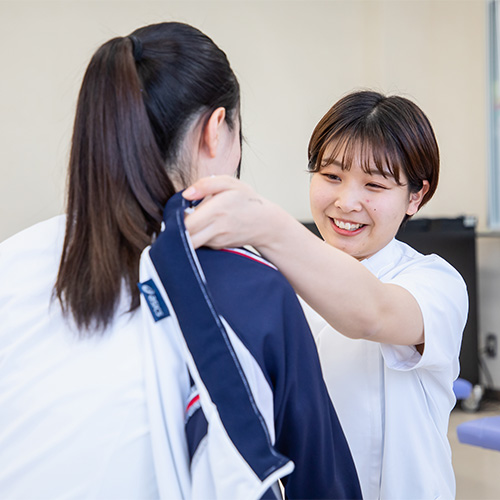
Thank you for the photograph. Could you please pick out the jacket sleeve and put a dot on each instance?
(268, 318)
(307, 428)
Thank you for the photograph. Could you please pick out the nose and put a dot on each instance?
(348, 199)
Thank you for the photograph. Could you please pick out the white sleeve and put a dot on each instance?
(442, 296)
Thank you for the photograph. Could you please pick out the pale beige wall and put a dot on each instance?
(293, 59)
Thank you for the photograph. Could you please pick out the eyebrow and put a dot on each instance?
(325, 163)
(374, 172)
(378, 172)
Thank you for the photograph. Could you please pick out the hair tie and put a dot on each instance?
(136, 48)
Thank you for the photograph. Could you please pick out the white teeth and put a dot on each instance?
(346, 225)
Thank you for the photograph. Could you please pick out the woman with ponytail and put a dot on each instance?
(192, 390)
(139, 97)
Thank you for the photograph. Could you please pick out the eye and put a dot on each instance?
(374, 185)
(331, 177)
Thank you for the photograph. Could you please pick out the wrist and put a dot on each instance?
(274, 228)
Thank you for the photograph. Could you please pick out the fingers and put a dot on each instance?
(205, 237)
(200, 218)
(209, 186)
(226, 215)
(206, 229)
(212, 223)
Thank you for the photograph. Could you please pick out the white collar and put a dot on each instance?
(385, 259)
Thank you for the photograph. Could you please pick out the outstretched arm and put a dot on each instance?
(335, 284)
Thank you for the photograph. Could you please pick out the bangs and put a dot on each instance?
(370, 149)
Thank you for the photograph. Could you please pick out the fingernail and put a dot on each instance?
(190, 191)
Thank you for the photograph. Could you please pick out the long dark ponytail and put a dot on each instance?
(139, 96)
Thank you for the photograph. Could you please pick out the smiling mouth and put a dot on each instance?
(347, 226)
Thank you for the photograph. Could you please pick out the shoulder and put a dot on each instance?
(30, 258)
(248, 254)
(400, 262)
(243, 256)
(431, 271)
(45, 234)
(253, 296)
(442, 296)
(435, 283)
(239, 269)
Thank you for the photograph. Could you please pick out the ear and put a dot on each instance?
(210, 134)
(416, 199)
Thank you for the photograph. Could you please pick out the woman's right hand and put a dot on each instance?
(231, 214)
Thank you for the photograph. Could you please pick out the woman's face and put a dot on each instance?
(359, 212)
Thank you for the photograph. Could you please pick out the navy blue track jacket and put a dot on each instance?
(254, 375)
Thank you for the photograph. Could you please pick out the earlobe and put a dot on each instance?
(416, 199)
(210, 135)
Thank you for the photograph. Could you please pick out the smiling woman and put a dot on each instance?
(357, 211)
(371, 170)
(390, 319)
